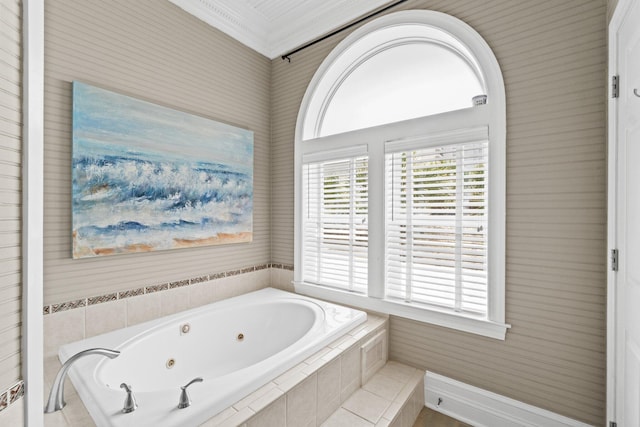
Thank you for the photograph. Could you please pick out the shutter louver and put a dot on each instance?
(436, 226)
(335, 240)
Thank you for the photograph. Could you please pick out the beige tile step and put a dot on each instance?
(393, 397)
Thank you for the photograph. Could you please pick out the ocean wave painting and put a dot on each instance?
(147, 178)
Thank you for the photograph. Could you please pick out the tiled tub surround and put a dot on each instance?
(236, 346)
(72, 326)
(280, 276)
(325, 385)
(309, 392)
(326, 390)
(73, 321)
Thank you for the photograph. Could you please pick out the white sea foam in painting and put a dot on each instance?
(190, 185)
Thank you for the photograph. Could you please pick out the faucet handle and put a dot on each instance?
(185, 401)
(130, 403)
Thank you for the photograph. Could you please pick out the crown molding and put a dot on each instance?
(235, 18)
(274, 37)
(292, 30)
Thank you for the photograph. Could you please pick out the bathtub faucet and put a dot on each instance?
(56, 397)
(130, 403)
(185, 401)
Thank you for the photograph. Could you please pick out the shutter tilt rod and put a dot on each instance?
(287, 56)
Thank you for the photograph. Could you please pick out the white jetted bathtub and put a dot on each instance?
(235, 346)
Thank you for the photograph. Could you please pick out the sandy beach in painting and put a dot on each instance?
(148, 178)
(220, 239)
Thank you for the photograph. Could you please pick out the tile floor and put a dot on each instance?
(431, 418)
(392, 397)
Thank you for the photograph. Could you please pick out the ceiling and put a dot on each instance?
(275, 27)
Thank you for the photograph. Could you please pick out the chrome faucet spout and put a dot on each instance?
(56, 396)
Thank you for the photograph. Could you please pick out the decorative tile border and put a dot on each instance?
(156, 288)
(11, 395)
(102, 298)
(192, 281)
(282, 266)
(4, 400)
(69, 305)
(130, 293)
(16, 392)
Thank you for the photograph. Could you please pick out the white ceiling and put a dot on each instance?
(275, 27)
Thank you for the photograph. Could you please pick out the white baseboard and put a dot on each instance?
(482, 408)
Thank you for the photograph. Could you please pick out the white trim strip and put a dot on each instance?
(457, 136)
(33, 211)
(338, 154)
(614, 402)
(482, 408)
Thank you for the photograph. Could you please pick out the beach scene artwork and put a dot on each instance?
(148, 178)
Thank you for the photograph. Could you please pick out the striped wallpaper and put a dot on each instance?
(611, 5)
(553, 57)
(10, 191)
(154, 51)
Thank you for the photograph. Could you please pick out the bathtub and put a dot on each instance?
(235, 345)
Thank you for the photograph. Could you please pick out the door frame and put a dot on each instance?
(617, 19)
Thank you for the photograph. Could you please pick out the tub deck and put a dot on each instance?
(333, 373)
(343, 353)
(313, 389)
(326, 390)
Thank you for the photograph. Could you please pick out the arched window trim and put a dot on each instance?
(492, 115)
(377, 49)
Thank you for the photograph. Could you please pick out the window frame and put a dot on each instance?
(491, 115)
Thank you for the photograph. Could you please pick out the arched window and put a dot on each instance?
(400, 174)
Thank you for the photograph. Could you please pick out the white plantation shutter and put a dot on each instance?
(335, 228)
(434, 227)
(436, 221)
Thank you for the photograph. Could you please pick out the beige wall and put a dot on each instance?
(611, 6)
(553, 57)
(10, 190)
(154, 51)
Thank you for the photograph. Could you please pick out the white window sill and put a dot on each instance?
(460, 322)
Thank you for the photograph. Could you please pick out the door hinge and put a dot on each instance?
(615, 86)
(614, 259)
(613, 424)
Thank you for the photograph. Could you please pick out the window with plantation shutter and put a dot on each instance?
(400, 175)
(436, 225)
(335, 223)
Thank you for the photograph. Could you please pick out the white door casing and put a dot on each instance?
(623, 371)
